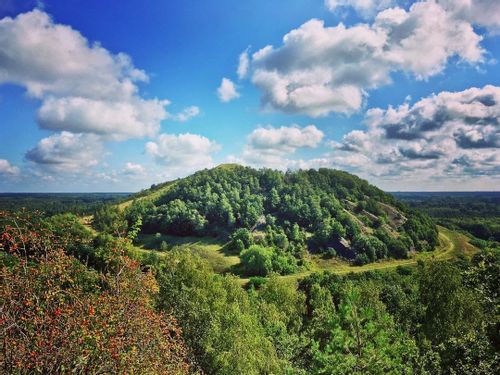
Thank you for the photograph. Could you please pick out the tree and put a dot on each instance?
(451, 310)
(257, 260)
(139, 209)
(281, 306)
(454, 320)
(68, 229)
(329, 230)
(369, 246)
(241, 239)
(176, 217)
(359, 337)
(218, 322)
(109, 219)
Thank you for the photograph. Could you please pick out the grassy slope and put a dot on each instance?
(451, 245)
(211, 249)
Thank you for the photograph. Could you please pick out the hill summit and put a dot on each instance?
(280, 216)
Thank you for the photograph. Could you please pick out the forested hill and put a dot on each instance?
(290, 213)
(104, 301)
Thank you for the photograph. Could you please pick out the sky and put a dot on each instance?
(115, 96)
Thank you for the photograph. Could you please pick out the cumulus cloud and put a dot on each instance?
(187, 114)
(321, 69)
(134, 169)
(84, 88)
(243, 64)
(450, 134)
(182, 151)
(272, 147)
(285, 138)
(135, 118)
(480, 12)
(365, 8)
(66, 152)
(8, 170)
(227, 91)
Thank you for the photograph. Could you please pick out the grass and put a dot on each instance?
(211, 249)
(451, 245)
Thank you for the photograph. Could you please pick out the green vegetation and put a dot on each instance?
(341, 285)
(58, 203)
(273, 219)
(475, 214)
(60, 316)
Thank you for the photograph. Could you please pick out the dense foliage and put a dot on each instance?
(58, 316)
(216, 315)
(437, 318)
(286, 214)
(58, 203)
(73, 300)
(476, 214)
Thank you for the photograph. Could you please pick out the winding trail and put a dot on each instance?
(450, 245)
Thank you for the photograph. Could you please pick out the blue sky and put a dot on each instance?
(97, 98)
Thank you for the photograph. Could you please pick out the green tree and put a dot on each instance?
(450, 309)
(216, 317)
(109, 219)
(369, 246)
(328, 231)
(241, 239)
(359, 337)
(280, 306)
(257, 260)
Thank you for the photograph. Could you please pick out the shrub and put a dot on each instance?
(370, 246)
(58, 316)
(241, 239)
(257, 260)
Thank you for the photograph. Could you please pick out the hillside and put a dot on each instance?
(274, 220)
(152, 288)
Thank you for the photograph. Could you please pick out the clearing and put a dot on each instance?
(451, 245)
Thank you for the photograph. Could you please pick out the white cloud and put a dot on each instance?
(227, 90)
(84, 88)
(444, 136)
(66, 153)
(366, 8)
(285, 138)
(8, 170)
(272, 147)
(187, 114)
(46, 57)
(135, 118)
(429, 28)
(243, 64)
(480, 12)
(134, 169)
(182, 151)
(321, 69)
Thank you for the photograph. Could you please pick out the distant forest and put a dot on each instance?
(474, 213)
(57, 203)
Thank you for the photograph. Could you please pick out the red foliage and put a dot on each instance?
(57, 316)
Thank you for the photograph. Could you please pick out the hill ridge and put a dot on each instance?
(292, 213)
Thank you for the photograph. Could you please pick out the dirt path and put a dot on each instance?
(450, 245)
